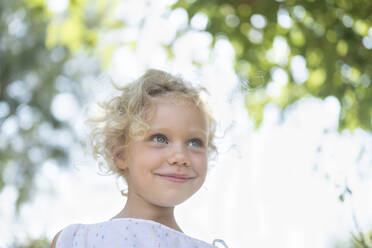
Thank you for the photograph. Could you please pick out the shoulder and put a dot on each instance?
(65, 234)
(54, 242)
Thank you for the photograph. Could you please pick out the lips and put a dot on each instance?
(176, 179)
(175, 175)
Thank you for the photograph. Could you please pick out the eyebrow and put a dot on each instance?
(198, 131)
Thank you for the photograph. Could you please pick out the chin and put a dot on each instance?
(171, 202)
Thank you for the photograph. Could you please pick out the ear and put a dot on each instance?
(119, 159)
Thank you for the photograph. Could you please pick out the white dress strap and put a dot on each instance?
(220, 241)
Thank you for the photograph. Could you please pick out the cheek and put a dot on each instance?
(201, 163)
(153, 157)
(146, 163)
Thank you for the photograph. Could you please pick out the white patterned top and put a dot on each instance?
(128, 233)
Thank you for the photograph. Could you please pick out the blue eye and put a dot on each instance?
(196, 142)
(159, 138)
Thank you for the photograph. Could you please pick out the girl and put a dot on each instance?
(157, 135)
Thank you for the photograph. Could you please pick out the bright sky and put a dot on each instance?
(268, 188)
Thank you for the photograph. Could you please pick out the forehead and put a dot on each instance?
(177, 113)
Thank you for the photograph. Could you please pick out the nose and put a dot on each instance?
(178, 156)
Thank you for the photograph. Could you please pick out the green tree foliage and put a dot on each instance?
(32, 243)
(41, 51)
(333, 38)
(79, 26)
(363, 240)
(38, 54)
(27, 75)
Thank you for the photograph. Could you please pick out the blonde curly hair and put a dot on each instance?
(125, 116)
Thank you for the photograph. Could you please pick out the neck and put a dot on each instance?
(135, 207)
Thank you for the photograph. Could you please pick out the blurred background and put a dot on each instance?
(289, 83)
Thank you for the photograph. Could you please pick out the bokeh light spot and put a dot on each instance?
(64, 106)
(199, 21)
(298, 69)
(284, 19)
(258, 21)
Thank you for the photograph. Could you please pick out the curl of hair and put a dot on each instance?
(125, 116)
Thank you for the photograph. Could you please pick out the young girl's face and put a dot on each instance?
(176, 142)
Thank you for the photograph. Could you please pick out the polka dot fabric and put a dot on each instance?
(128, 233)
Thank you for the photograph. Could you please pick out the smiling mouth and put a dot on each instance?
(176, 179)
